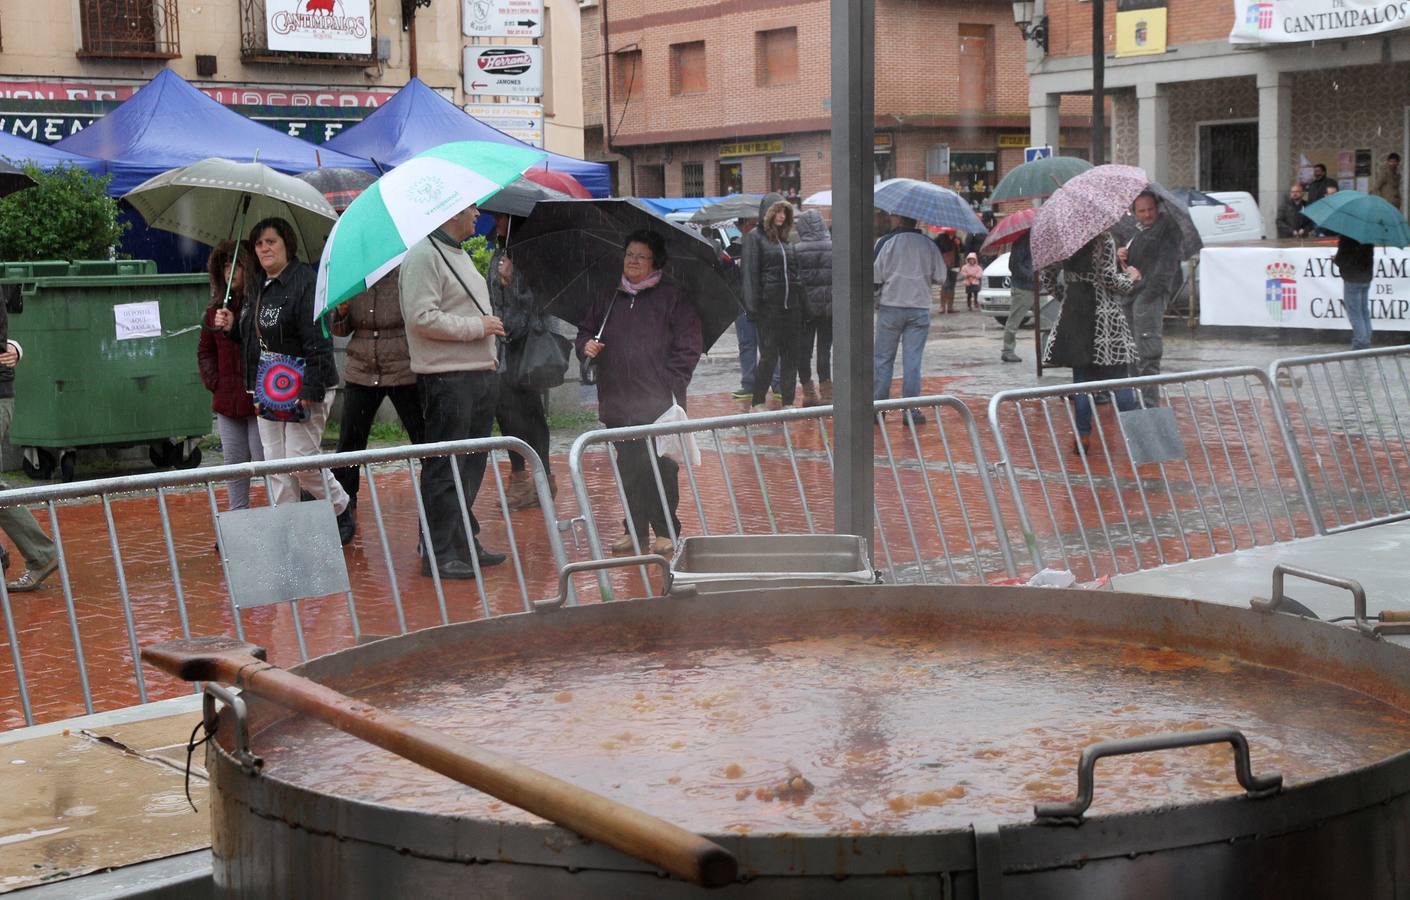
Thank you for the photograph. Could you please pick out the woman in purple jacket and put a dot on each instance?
(644, 338)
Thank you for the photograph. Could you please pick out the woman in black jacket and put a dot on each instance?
(277, 318)
(773, 297)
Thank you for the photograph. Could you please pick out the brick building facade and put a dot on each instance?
(1218, 116)
(699, 98)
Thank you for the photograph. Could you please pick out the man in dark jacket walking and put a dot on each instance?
(1021, 288)
(815, 269)
(1154, 251)
(745, 328)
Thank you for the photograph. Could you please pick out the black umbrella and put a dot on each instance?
(12, 179)
(339, 187)
(570, 252)
(519, 197)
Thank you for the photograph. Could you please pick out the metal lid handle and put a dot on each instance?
(1072, 812)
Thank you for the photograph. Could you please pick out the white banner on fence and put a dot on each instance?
(1290, 21)
(1296, 287)
(319, 26)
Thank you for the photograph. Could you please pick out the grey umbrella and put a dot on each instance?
(518, 198)
(13, 178)
(735, 206)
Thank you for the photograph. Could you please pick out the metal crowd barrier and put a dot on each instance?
(166, 585)
(1346, 415)
(936, 510)
(1196, 469)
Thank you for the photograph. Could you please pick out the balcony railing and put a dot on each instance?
(144, 29)
(254, 41)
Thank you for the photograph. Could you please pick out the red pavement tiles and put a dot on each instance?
(47, 647)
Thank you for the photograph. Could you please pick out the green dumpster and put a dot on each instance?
(109, 361)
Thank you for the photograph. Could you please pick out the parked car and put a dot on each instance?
(725, 235)
(994, 294)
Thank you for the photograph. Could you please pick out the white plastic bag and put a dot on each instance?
(677, 446)
(1058, 578)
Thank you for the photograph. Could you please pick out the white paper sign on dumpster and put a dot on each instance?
(506, 71)
(138, 320)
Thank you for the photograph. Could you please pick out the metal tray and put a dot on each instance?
(734, 561)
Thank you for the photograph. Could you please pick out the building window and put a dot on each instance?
(786, 177)
(130, 28)
(776, 56)
(254, 41)
(688, 68)
(972, 175)
(626, 74)
(731, 178)
(692, 179)
(976, 91)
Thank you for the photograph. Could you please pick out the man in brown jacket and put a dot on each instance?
(445, 304)
(378, 366)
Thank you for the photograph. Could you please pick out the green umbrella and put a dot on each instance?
(1361, 217)
(407, 204)
(1038, 178)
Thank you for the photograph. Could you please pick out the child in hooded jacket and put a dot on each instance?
(972, 273)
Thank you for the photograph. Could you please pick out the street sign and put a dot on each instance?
(506, 71)
(518, 120)
(1032, 153)
(502, 18)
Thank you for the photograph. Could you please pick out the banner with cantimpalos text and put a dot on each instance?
(1291, 21)
(1296, 287)
(319, 26)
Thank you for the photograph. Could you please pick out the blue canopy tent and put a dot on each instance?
(19, 150)
(168, 124)
(417, 118)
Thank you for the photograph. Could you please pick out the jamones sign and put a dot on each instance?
(504, 71)
(319, 26)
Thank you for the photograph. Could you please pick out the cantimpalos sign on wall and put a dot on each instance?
(319, 26)
(1290, 21)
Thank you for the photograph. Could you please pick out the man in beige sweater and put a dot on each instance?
(445, 304)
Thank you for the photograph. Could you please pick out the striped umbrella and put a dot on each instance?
(928, 203)
(1010, 228)
(407, 204)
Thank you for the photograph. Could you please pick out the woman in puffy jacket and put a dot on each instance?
(815, 266)
(223, 370)
(773, 298)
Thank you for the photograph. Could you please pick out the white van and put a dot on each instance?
(1237, 219)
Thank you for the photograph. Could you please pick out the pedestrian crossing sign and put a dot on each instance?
(1032, 153)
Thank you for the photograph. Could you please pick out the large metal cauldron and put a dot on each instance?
(1346, 835)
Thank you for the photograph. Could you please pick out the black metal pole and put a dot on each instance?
(1098, 82)
(853, 124)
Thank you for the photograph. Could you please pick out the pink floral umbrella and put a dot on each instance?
(1010, 228)
(1083, 208)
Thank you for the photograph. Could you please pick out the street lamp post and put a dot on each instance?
(408, 24)
(853, 125)
(1098, 82)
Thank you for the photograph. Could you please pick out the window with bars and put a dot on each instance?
(692, 179)
(626, 74)
(129, 28)
(776, 56)
(688, 68)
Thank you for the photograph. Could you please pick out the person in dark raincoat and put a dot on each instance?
(646, 355)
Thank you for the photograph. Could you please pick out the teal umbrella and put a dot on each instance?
(1361, 217)
(1038, 178)
(407, 204)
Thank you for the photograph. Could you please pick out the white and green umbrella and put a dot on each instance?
(407, 204)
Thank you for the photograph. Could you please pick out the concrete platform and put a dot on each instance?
(104, 794)
(1377, 557)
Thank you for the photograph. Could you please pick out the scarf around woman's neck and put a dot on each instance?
(649, 281)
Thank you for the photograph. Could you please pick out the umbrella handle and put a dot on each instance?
(235, 254)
